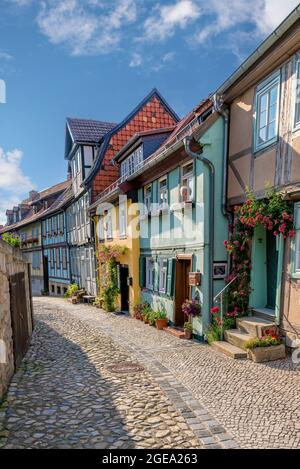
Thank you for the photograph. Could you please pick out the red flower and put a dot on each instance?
(215, 310)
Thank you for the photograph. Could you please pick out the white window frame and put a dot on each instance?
(297, 95)
(109, 227)
(264, 89)
(148, 197)
(101, 229)
(122, 220)
(163, 272)
(163, 192)
(186, 179)
(149, 273)
(296, 269)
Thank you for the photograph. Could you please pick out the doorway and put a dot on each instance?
(46, 273)
(182, 289)
(124, 288)
(272, 268)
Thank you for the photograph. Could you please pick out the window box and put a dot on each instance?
(267, 354)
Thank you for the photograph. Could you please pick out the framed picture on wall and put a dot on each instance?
(220, 270)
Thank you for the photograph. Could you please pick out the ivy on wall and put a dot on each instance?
(109, 288)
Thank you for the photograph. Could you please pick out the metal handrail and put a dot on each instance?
(220, 295)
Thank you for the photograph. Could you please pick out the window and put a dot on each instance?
(149, 273)
(267, 110)
(52, 259)
(297, 239)
(122, 219)
(64, 258)
(58, 258)
(58, 289)
(297, 109)
(109, 231)
(163, 267)
(187, 183)
(35, 260)
(148, 197)
(163, 192)
(101, 229)
(132, 163)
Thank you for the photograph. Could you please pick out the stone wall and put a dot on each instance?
(11, 262)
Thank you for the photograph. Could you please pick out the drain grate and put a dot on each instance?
(125, 368)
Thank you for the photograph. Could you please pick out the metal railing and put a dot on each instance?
(221, 296)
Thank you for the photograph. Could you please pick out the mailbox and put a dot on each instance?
(194, 279)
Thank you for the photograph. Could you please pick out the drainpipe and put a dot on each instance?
(211, 168)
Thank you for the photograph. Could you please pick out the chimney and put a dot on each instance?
(33, 195)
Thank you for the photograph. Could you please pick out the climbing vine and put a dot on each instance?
(275, 215)
(109, 288)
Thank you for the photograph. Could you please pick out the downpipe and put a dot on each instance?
(211, 168)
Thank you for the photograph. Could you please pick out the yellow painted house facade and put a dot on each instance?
(116, 223)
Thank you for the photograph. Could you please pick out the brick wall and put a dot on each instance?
(153, 115)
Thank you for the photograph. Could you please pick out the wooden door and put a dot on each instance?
(182, 289)
(19, 316)
(272, 266)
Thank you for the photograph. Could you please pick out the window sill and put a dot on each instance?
(295, 276)
(123, 237)
(263, 148)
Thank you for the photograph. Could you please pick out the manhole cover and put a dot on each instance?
(125, 368)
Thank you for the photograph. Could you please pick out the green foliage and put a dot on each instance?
(72, 288)
(152, 316)
(266, 341)
(12, 239)
(188, 326)
(161, 314)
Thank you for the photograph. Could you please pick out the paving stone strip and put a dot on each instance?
(258, 404)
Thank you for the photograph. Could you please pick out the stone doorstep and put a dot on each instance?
(176, 332)
(230, 350)
(237, 338)
(255, 326)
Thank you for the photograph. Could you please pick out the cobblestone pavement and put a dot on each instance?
(258, 404)
(202, 398)
(64, 395)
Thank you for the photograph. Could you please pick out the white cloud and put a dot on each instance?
(5, 55)
(14, 184)
(264, 15)
(165, 19)
(87, 26)
(136, 60)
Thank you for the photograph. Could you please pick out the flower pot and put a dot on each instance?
(267, 354)
(188, 334)
(161, 324)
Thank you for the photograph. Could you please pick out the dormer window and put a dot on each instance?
(132, 163)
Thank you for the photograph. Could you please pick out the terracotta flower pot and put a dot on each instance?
(161, 323)
(188, 334)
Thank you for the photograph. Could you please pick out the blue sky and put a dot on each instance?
(99, 58)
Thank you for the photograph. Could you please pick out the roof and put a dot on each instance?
(130, 116)
(32, 217)
(141, 135)
(87, 131)
(45, 193)
(265, 46)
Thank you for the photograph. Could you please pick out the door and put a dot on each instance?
(19, 316)
(46, 273)
(272, 266)
(182, 289)
(124, 288)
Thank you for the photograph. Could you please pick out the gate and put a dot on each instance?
(19, 316)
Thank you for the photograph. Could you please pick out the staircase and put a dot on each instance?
(235, 339)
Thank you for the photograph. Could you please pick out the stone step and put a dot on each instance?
(264, 313)
(180, 334)
(230, 350)
(255, 326)
(237, 338)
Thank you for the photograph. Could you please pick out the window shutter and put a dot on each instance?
(170, 277)
(142, 272)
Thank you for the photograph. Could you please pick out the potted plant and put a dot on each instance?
(145, 311)
(152, 318)
(188, 330)
(191, 308)
(161, 320)
(265, 349)
(138, 309)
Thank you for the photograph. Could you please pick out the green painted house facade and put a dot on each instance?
(174, 193)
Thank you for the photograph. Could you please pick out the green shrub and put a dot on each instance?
(72, 288)
(12, 239)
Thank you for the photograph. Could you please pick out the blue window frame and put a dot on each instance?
(267, 112)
